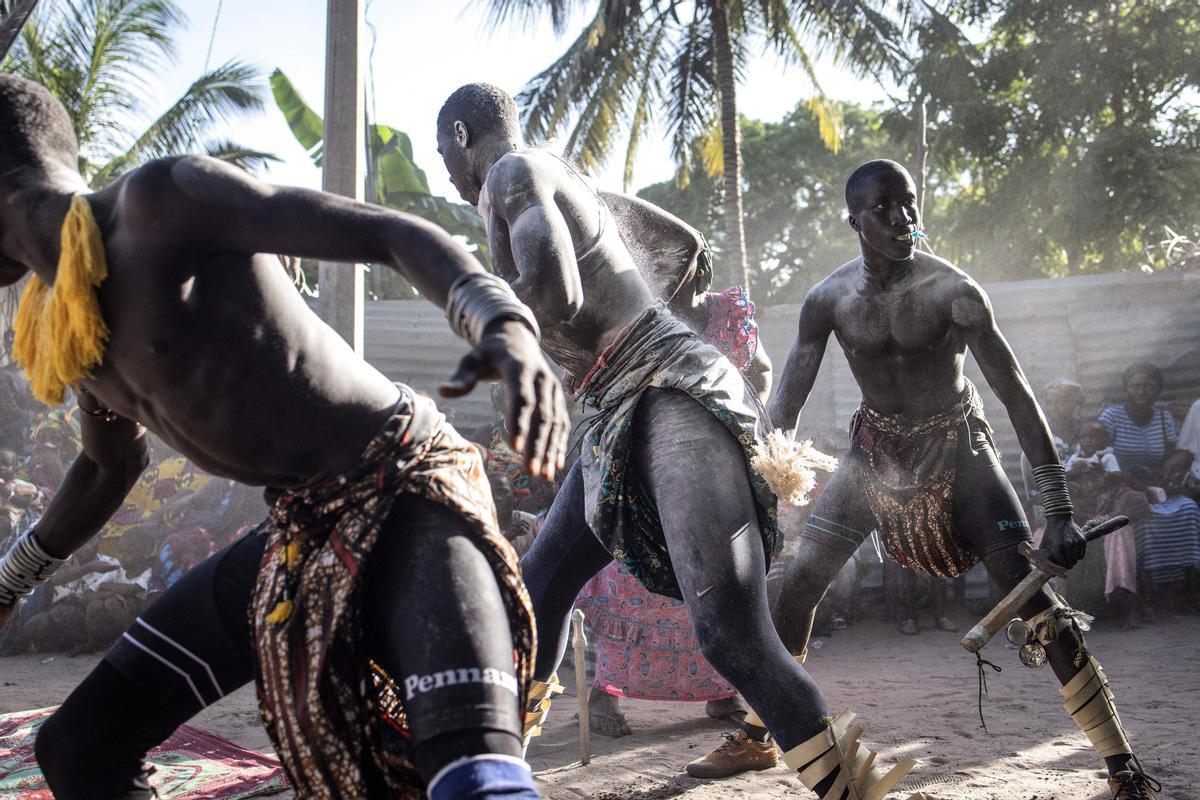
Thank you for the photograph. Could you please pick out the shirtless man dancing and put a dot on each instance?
(922, 467)
(156, 300)
(663, 482)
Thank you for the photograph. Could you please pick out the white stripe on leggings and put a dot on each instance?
(185, 651)
(170, 666)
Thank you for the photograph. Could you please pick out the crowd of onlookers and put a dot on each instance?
(1136, 457)
(174, 518)
(1132, 455)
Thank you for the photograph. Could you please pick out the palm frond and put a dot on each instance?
(526, 13)
(214, 98)
(247, 158)
(692, 95)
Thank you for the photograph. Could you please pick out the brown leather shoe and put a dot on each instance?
(738, 753)
(1133, 785)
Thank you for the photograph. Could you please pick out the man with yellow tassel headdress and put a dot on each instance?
(378, 607)
(922, 468)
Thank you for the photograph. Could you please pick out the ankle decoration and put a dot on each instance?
(541, 693)
(837, 749)
(1089, 703)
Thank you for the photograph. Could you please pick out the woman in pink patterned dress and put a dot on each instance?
(646, 648)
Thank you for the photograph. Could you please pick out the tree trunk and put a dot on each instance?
(12, 22)
(922, 150)
(731, 140)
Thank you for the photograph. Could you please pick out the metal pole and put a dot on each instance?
(13, 21)
(341, 285)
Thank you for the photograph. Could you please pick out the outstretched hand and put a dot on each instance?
(1064, 540)
(537, 415)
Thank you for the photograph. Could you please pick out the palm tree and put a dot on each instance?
(99, 58)
(639, 58)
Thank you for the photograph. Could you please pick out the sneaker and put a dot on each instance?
(944, 624)
(1133, 785)
(738, 753)
(909, 627)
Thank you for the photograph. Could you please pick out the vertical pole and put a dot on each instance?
(341, 288)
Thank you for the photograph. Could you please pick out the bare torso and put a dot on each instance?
(905, 341)
(613, 291)
(217, 353)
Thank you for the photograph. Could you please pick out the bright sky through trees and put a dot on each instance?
(423, 51)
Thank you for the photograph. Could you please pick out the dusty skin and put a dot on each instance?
(915, 699)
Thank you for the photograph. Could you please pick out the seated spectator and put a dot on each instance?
(1189, 440)
(1094, 477)
(83, 608)
(1144, 440)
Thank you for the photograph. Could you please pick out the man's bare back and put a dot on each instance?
(215, 351)
(581, 308)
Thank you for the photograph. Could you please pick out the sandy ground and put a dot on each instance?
(915, 695)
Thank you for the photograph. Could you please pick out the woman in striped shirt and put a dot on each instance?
(1144, 439)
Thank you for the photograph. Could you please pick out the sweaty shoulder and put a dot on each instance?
(515, 181)
(158, 188)
(969, 304)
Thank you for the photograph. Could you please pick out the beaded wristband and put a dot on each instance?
(25, 566)
(478, 299)
(1051, 480)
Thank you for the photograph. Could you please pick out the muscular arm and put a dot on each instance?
(113, 456)
(213, 207)
(804, 360)
(219, 207)
(972, 311)
(663, 246)
(539, 239)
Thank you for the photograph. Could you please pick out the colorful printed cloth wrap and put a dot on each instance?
(908, 472)
(731, 327)
(656, 350)
(311, 667)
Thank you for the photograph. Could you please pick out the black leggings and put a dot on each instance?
(431, 603)
(986, 513)
(696, 474)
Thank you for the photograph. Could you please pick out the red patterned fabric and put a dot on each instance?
(731, 327)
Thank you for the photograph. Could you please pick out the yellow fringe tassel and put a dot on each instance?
(59, 331)
(281, 612)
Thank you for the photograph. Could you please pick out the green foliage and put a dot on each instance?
(795, 217)
(100, 58)
(1075, 130)
(646, 60)
(395, 180)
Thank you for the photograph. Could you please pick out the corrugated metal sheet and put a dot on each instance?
(1086, 328)
(409, 341)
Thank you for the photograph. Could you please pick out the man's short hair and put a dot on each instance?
(34, 126)
(858, 180)
(485, 110)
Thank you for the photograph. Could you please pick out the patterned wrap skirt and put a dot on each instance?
(656, 350)
(908, 470)
(336, 719)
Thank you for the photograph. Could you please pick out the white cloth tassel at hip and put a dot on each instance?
(789, 467)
